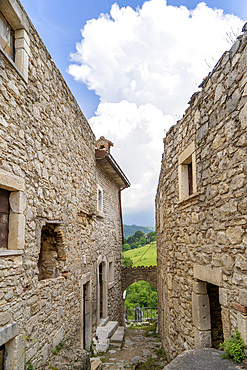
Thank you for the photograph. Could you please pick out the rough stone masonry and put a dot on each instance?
(201, 212)
(56, 248)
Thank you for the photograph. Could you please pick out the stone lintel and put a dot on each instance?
(8, 332)
(85, 279)
(11, 182)
(209, 274)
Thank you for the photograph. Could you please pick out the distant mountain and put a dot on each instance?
(130, 230)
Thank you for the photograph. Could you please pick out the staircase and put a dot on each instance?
(109, 332)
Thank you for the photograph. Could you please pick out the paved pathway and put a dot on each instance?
(137, 348)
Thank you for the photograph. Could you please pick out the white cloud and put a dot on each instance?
(137, 133)
(144, 65)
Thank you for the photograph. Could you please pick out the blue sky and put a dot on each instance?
(59, 27)
(133, 72)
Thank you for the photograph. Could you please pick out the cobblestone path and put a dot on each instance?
(138, 348)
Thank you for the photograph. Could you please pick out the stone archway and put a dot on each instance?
(132, 274)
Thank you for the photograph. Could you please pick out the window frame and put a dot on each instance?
(17, 200)
(100, 201)
(18, 22)
(187, 186)
(111, 272)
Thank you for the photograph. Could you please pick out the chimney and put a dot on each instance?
(104, 144)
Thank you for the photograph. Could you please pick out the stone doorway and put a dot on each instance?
(2, 349)
(102, 290)
(215, 314)
(86, 312)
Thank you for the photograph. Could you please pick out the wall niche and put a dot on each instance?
(52, 255)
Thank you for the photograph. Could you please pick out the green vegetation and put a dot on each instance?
(130, 230)
(30, 366)
(142, 294)
(127, 261)
(58, 348)
(143, 256)
(234, 347)
(138, 240)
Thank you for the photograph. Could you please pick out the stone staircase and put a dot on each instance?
(109, 332)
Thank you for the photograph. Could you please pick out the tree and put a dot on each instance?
(127, 261)
(126, 247)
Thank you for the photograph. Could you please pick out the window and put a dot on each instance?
(14, 38)
(4, 218)
(6, 36)
(100, 201)
(187, 172)
(111, 272)
(12, 219)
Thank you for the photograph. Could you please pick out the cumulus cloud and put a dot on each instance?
(144, 65)
(137, 133)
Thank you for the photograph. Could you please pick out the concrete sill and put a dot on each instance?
(10, 252)
(12, 63)
(194, 195)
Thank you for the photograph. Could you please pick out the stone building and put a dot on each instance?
(109, 232)
(60, 214)
(201, 211)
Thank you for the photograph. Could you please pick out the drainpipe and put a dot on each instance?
(120, 208)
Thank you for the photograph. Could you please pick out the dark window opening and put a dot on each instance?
(4, 218)
(215, 313)
(101, 290)
(2, 351)
(102, 147)
(190, 178)
(7, 37)
(52, 254)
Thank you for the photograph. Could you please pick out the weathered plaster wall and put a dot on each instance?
(108, 242)
(203, 238)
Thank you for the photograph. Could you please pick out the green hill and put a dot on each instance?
(143, 256)
(130, 230)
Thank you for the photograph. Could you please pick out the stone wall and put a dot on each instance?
(108, 242)
(201, 234)
(132, 274)
(48, 148)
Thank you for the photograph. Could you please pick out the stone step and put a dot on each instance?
(103, 334)
(103, 321)
(117, 340)
(111, 327)
(95, 364)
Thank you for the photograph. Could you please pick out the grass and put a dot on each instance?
(147, 259)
